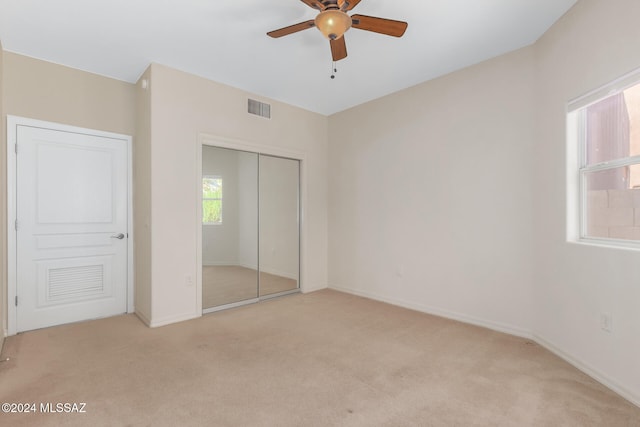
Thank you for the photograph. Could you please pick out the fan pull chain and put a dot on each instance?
(333, 70)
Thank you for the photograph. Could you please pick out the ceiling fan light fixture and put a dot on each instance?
(333, 23)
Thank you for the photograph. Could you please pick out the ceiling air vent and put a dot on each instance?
(259, 108)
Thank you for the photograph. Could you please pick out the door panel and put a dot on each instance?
(71, 205)
(80, 185)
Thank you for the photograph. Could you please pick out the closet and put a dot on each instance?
(250, 227)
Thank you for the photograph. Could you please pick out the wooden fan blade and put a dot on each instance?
(291, 29)
(346, 5)
(338, 49)
(379, 25)
(314, 4)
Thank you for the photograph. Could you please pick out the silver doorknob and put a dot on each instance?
(118, 236)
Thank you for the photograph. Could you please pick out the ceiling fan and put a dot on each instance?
(333, 22)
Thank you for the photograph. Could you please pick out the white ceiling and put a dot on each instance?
(225, 41)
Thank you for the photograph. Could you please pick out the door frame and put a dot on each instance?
(205, 139)
(12, 133)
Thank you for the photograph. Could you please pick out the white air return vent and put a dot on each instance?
(75, 282)
(259, 108)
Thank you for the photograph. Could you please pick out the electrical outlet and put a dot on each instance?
(606, 322)
(188, 281)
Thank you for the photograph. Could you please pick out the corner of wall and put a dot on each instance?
(142, 199)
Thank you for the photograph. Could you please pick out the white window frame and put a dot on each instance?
(220, 198)
(577, 168)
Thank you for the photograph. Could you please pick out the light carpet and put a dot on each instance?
(320, 359)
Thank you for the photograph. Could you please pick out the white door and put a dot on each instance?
(72, 211)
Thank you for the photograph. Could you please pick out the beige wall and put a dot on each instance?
(594, 43)
(45, 91)
(3, 206)
(430, 203)
(182, 107)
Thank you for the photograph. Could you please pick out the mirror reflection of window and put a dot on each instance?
(211, 200)
(229, 226)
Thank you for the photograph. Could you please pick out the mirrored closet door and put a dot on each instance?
(250, 227)
(279, 231)
(229, 226)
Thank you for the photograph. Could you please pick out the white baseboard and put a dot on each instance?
(166, 321)
(436, 311)
(312, 288)
(173, 319)
(589, 370)
(143, 318)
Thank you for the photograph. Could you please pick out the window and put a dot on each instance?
(605, 132)
(211, 200)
